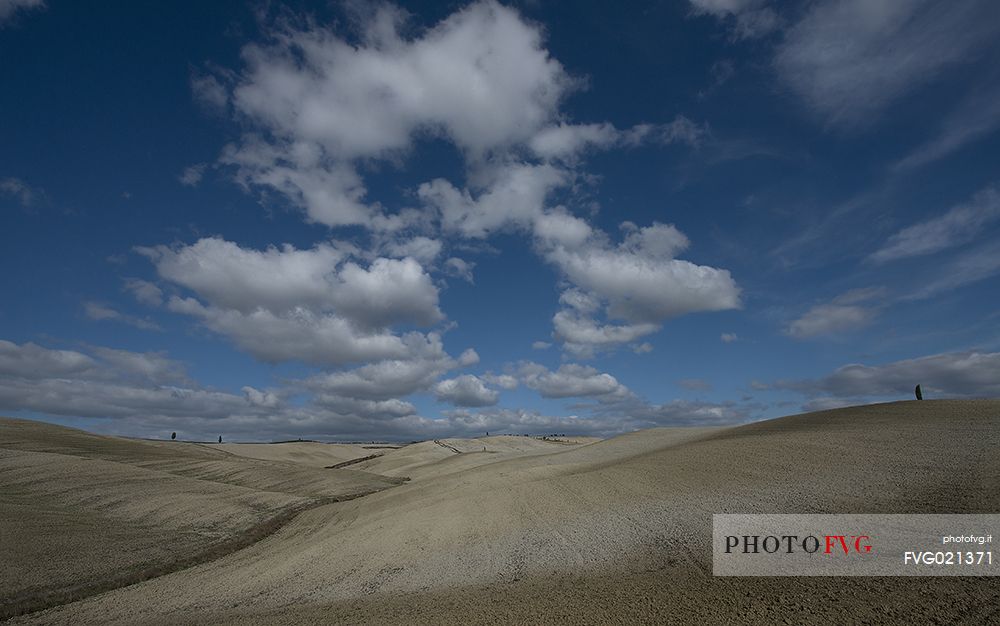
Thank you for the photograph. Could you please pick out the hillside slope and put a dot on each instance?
(83, 512)
(613, 531)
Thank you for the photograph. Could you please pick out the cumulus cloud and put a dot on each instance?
(570, 380)
(504, 381)
(844, 313)
(30, 360)
(640, 278)
(149, 366)
(583, 337)
(371, 410)
(149, 394)
(951, 374)
(466, 390)
(317, 305)
(425, 361)
(321, 110)
(298, 334)
(422, 249)
(639, 281)
(849, 59)
(509, 197)
(243, 279)
(107, 383)
(728, 337)
(958, 225)
(326, 104)
(540, 345)
(610, 418)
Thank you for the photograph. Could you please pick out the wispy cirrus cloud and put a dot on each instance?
(849, 59)
(959, 225)
(10, 8)
(99, 312)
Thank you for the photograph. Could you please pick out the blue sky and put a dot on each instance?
(359, 221)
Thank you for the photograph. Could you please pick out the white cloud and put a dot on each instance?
(145, 292)
(466, 390)
(540, 345)
(638, 281)
(422, 249)
(311, 305)
(566, 142)
(261, 398)
(562, 141)
(844, 313)
(612, 418)
(389, 291)
(107, 383)
(422, 364)
(100, 312)
(378, 410)
(232, 277)
(192, 175)
(504, 381)
(848, 59)
(149, 366)
(748, 19)
(582, 336)
(33, 361)
(640, 278)
(570, 380)
(209, 92)
(952, 374)
(728, 337)
(147, 394)
(559, 228)
(8, 8)
(297, 334)
(480, 78)
(511, 196)
(460, 268)
(959, 225)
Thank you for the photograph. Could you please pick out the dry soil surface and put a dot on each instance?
(309, 453)
(82, 512)
(612, 532)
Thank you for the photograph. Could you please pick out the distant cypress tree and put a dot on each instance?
(919, 395)
(173, 435)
